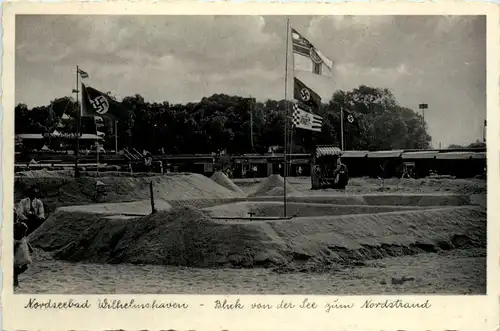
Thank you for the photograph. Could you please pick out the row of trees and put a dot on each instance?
(240, 125)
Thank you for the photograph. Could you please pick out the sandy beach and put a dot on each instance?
(458, 272)
(397, 268)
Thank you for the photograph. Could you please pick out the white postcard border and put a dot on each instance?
(446, 312)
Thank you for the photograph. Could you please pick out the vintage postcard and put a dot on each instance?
(218, 166)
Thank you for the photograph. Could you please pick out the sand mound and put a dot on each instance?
(65, 191)
(220, 178)
(179, 237)
(62, 228)
(189, 237)
(353, 239)
(272, 186)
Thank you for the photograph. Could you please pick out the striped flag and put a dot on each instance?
(82, 73)
(304, 120)
(307, 57)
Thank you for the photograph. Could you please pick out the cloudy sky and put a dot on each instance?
(437, 60)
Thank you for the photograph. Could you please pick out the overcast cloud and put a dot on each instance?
(437, 60)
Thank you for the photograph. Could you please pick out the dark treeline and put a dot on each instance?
(223, 122)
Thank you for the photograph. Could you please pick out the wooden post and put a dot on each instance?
(116, 137)
(78, 125)
(288, 34)
(153, 210)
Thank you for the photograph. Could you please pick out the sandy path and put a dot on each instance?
(455, 272)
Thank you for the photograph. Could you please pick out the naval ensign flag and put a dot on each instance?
(307, 57)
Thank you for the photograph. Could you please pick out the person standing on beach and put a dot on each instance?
(22, 250)
(31, 211)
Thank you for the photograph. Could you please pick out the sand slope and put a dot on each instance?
(220, 178)
(351, 238)
(187, 237)
(273, 186)
(64, 191)
(180, 237)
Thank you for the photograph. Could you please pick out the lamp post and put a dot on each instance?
(423, 106)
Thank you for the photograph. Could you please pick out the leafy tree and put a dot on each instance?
(226, 123)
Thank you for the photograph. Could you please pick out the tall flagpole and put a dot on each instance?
(286, 117)
(292, 129)
(116, 136)
(97, 145)
(290, 146)
(251, 123)
(341, 127)
(78, 123)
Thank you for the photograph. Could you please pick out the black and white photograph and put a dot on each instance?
(257, 154)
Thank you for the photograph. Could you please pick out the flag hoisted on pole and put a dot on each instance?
(351, 119)
(97, 103)
(306, 95)
(288, 52)
(79, 74)
(307, 57)
(305, 100)
(304, 120)
(82, 73)
(310, 59)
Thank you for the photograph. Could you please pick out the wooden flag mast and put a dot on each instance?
(285, 170)
(78, 123)
(251, 124)
(341, 127)
(116, 136)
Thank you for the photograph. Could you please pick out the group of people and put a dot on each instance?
(28, 216)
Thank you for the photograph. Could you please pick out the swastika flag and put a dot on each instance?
(305, 95)
(350, 118)
(97, 103)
